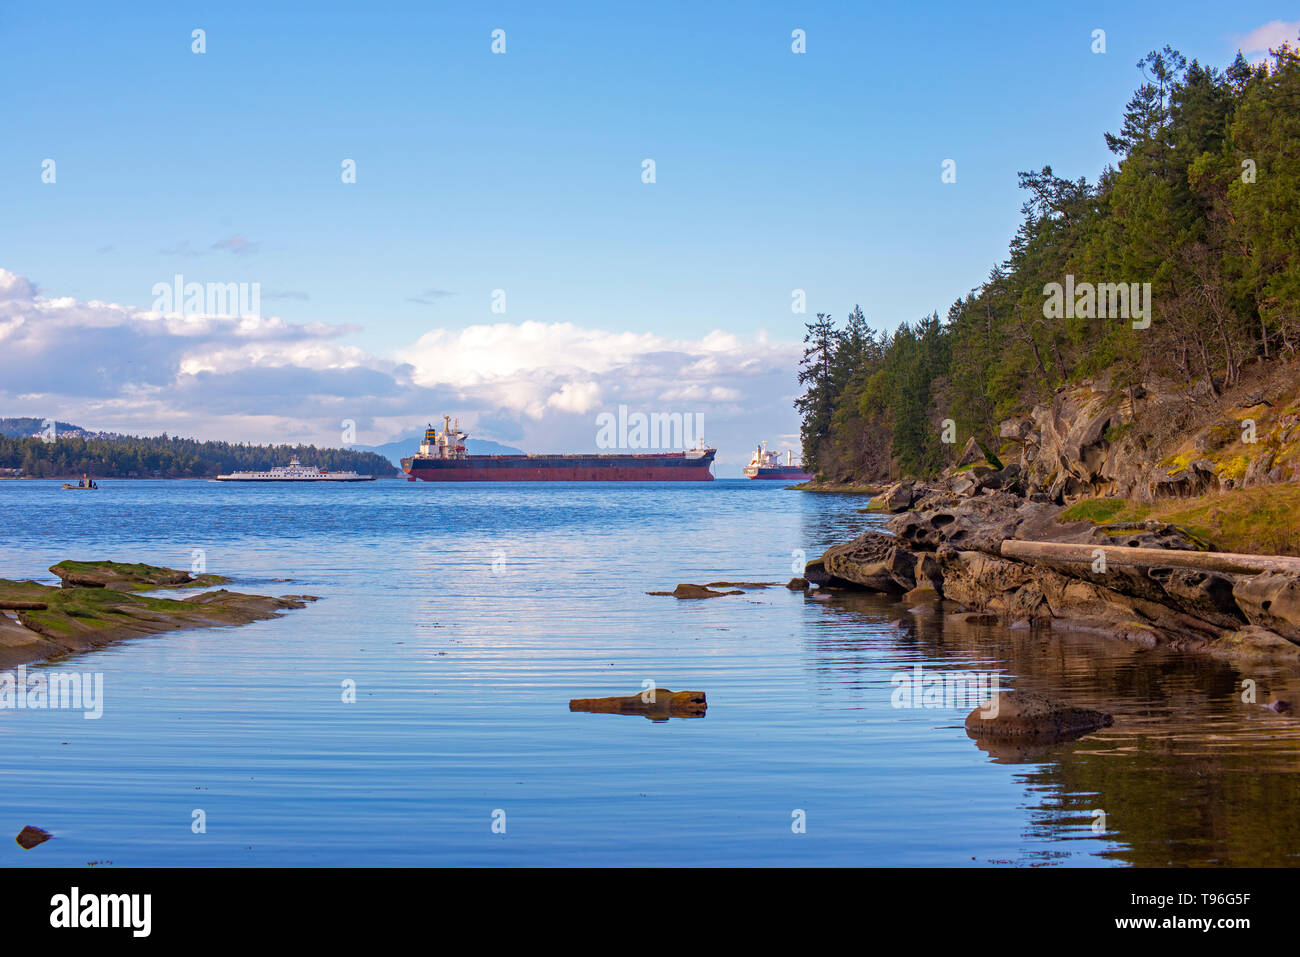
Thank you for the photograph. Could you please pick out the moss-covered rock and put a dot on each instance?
(81, 618)
(124, 576)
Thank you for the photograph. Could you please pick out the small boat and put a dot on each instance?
(84, 484)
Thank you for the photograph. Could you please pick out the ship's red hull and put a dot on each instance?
(564, 475)
(667, 467)
(782, 474)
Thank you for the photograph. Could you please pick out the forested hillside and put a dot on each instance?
(1203, 204)
(167, 457)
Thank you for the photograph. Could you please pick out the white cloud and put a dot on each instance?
(104, 365)
(1256, 44)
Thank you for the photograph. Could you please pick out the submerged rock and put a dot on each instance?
(657, 704)
(687, 590)
(1024, 714)
(30, 836)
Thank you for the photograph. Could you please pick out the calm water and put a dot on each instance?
(463, 675)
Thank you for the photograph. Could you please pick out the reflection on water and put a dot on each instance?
(1189, 773)
(468, 618)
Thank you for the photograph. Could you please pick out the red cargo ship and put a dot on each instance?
(767, 465)
(443, 458)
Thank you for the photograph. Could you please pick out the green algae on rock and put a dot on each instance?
(50, 622)
(129, 576)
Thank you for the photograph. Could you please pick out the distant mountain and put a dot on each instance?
(393, 451)
(22, 427)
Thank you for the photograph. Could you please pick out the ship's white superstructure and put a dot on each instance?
(767, 464)
(295, 471)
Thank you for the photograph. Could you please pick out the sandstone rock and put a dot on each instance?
(1205, 594)
(973, 618)
(1198, 478)
(1022, 714)
(981, 523)
(797, 584)
(874, 561)
(921, 593)
(816, 574)
(962, 485)
(658, 704)
(896, 498)
(927, 573)
(1015, 429)
(970, 454)
(1148, 535)
(1271, 601)
(1253, 641)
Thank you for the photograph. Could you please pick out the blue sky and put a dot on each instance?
(522, 172)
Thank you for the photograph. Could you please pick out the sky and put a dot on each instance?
(500, 255)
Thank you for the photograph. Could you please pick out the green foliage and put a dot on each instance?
(166, 457)
(1095, 510)
(1204, 206)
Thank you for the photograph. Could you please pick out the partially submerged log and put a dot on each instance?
(1228, 562)
(657, 704)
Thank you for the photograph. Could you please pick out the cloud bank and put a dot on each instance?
(536, 385)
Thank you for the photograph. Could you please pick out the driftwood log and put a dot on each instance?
(1229, 562)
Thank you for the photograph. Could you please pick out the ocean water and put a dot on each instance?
(468, 616)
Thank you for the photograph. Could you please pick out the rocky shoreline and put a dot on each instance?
(972, 541)
(99, 603)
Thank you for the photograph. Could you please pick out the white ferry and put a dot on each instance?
(295, 471)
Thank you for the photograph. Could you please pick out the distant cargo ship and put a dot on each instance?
(768, 465)
(443, 458)
(295, 471)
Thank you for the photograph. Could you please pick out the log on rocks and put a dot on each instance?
(1231, 563)
(10, 605)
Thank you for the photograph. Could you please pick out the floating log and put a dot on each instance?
(1229, 562)
(658, 704)
(9, 605)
